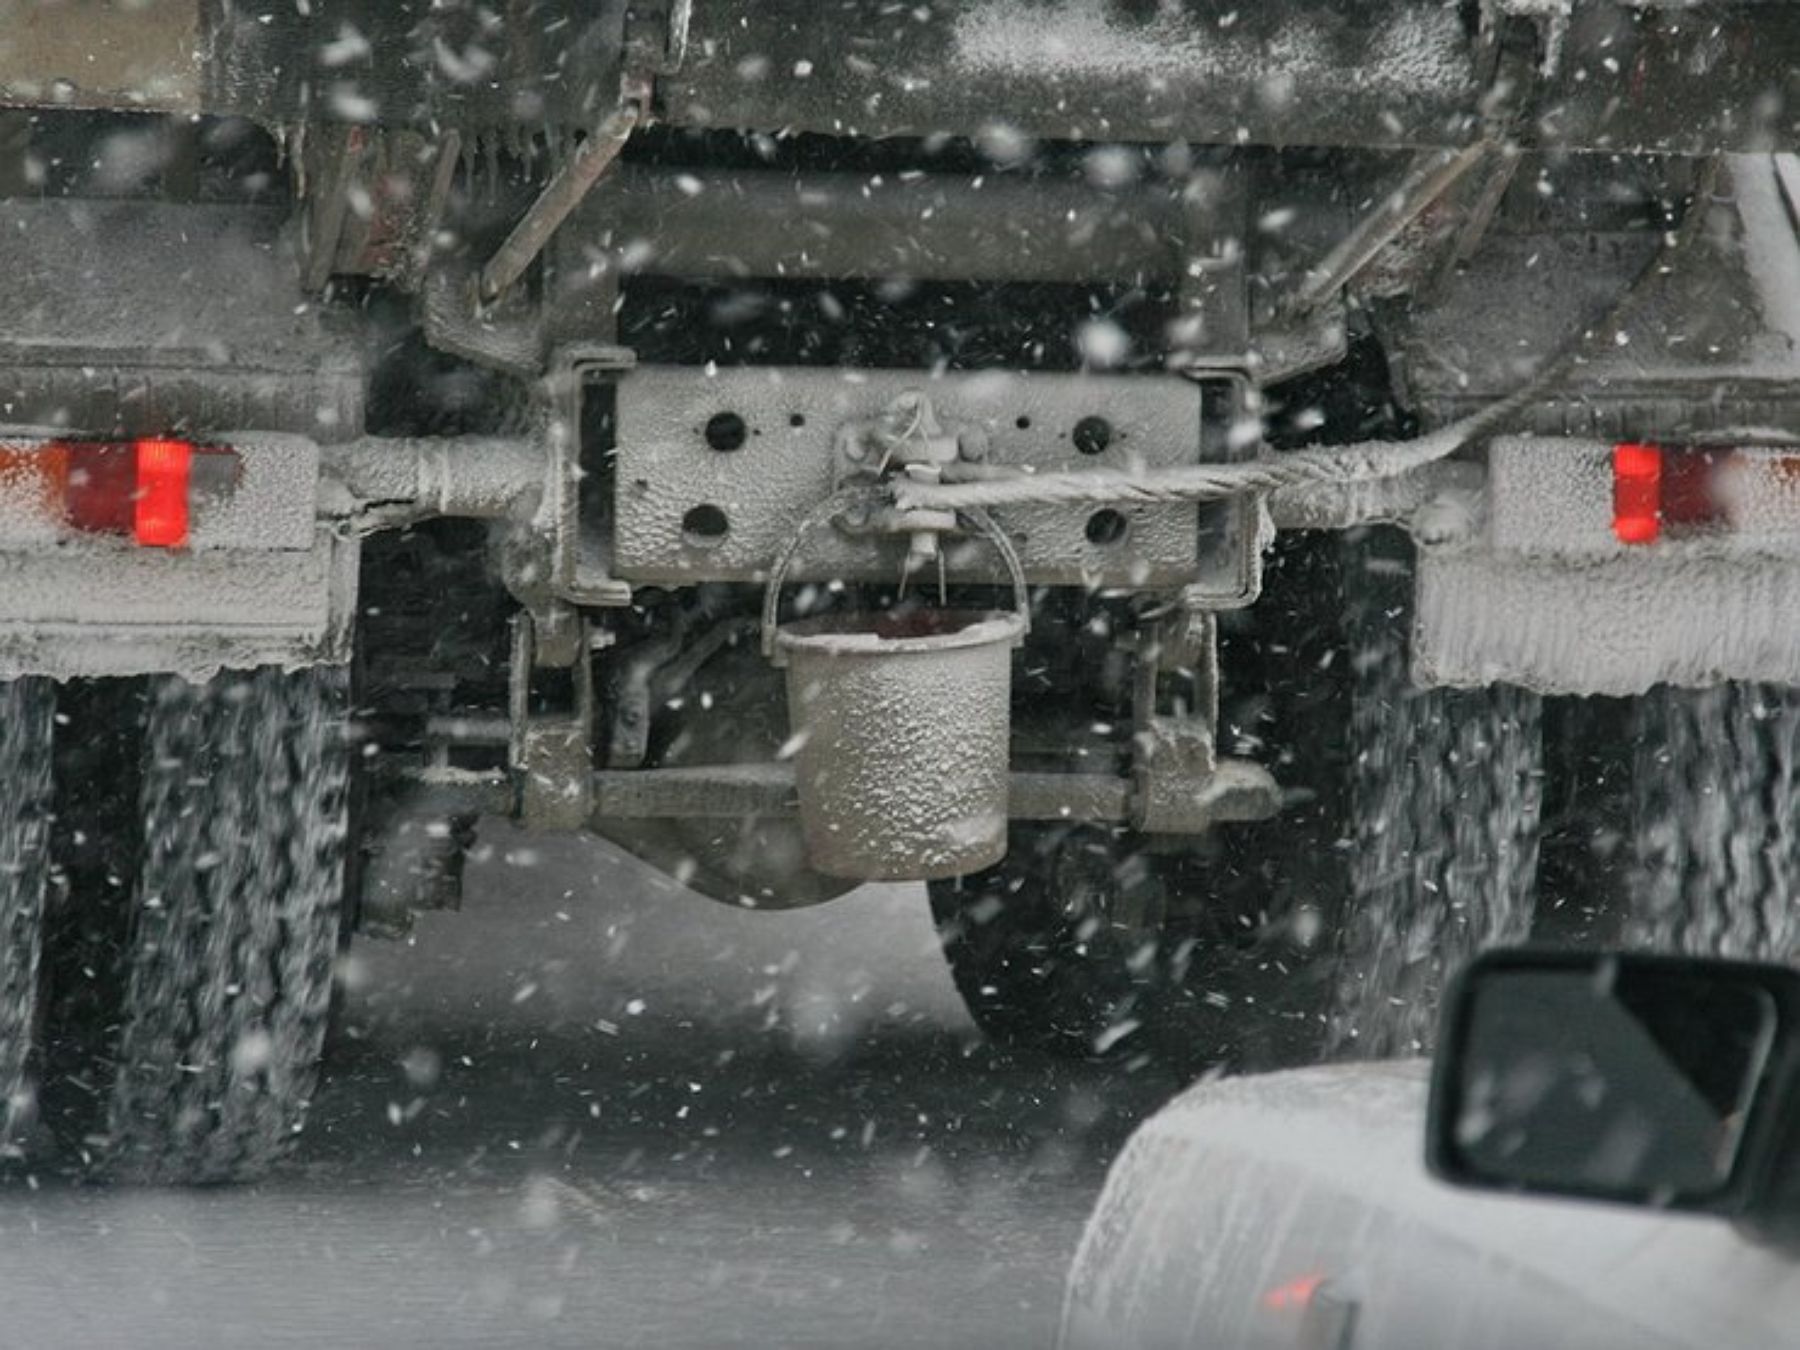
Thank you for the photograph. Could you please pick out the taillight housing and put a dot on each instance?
(1637, 493)
(144, 489)
(1660, 490)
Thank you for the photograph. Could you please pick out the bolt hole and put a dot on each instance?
(726, 431)
(704, 525)
(797, 420)
(1092, 435)
(1106, 527)
(1023, 423)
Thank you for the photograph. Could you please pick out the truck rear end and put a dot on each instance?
(1112, 462)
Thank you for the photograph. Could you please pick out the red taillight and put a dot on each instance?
(102, 483)
(1655, 488)
(42, 475)
(143, 489)
(164, 468)
(1692, 487)
(1296, 1293)
(1637, 493)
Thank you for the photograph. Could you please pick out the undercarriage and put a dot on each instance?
(814, 448)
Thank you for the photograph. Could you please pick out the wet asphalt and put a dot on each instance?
(595, 1110)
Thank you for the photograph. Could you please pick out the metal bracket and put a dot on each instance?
(378, 202)
(1432, 175)
(650, 51)
(749, 451)
(1180, 786)
(1172, 747)
(579, 566)
(550, 754)
(681, 14)
(1551, 19)
(561, 195)
(907, 432)
(507, 335)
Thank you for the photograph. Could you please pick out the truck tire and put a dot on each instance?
(27, 709)
(1062, 947)
(1716, 817)
(233, 935)
(1445, 788)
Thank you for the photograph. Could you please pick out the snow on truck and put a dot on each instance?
(808, 443)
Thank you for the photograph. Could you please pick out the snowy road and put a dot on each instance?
(595, 1111)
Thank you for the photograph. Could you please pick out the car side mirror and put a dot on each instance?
(1670, 1082)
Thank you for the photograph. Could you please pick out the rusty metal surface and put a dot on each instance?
(1682, 76)
(561, 195)
(374, 200)
(102, 53)
(201, 323)
(665, 468)
(516, 66)
(717, 223)
(184, 283)
(1719, 314)
(1629, 75)
(1304, 72)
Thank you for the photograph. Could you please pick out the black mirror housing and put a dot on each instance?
(1656, 1081)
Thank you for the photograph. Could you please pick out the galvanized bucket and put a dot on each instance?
(902, 727)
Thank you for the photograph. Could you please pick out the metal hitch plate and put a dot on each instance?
(715, 470)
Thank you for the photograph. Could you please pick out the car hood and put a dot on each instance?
(1294, 1209)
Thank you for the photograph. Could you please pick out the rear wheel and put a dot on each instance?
(233, 936)
(1065, 945)
(1444, 806)
(1716, 808)
(27, 708)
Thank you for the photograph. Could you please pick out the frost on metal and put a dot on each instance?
(147, 53)
(1553, 17)
(102, 607)
(902, 761)
(1248, 1210)
(793, 451)
(1547, 596)
(1408, 52)
(1606, 625)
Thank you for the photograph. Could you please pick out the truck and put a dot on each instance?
(1139, 467)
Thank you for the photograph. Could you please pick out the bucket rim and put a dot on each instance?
(826, 636)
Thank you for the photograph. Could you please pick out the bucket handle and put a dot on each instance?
(835, 505)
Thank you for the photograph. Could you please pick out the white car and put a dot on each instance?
(1298, 1209)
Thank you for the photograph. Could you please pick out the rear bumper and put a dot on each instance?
(1606, 625)
(1544, 595)
(105, 609)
